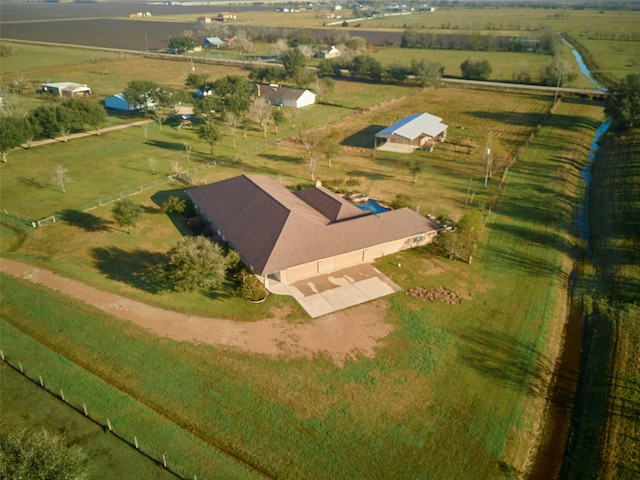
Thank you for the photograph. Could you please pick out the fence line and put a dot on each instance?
(159, 459)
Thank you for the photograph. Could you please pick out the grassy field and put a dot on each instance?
(311, 418)
(32, 408)
(608, 291)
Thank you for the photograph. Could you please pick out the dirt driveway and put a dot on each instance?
(341, 335)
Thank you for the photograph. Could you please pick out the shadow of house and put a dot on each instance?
(363, 138)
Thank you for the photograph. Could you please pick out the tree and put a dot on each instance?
(461, 243)
(59, 177)
(195, 263)
(88, 112)
(232, 94)
(261, 112)
(13, 132)
(41, 455)
(280, 48)
(310, 140)
(415, 167)
(53, 120)
(623, 104)
(277, 116)
(141, 94)
(426, 73)
(209, 133)
(365, 66)
(474, 69)
(233, 121)
(330, 146)
(197, 80)
(293, 62)
(126, 213)
(182, 44)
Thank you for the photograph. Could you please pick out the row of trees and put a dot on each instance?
(546, 41)
(50, 121)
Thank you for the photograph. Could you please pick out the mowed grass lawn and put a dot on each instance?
(456, 391)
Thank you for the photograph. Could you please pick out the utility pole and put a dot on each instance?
(488, 153)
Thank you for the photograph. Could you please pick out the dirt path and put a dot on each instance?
(341, 335)
(73, 136)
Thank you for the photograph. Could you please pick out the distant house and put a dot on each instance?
(286, 97)
(225, 17)
(288, 236)
(216, 42)
(204, 20)
(332, 52)
(414, 131)
(66, 89)
(118, 103)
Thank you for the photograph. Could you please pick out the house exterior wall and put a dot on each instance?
(328, 265)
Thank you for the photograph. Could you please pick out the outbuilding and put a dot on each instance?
(66, 89)
(414, 131)
(287, 97)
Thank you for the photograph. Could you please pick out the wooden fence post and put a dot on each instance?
(2, 355)
(109, 424)
(164, 460)
(84, 407)
(41, 382)
(21, 369)
(135, 440)
(62, 395)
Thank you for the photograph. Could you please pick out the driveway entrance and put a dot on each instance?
(337, 290)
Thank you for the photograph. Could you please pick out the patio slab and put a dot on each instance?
(327, 293)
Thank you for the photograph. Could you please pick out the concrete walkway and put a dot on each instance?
(327, 293)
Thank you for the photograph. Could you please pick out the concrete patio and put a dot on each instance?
(327, 293)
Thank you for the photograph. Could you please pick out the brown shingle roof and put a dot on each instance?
(273, 229)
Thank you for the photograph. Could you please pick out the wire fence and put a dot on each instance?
(135, 442)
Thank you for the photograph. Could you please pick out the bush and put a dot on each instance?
(249, 287)
(401, 201)
(174, 204)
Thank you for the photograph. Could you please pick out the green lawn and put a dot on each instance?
(454, 392)
(27, 406)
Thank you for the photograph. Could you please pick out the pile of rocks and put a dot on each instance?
(440, 294)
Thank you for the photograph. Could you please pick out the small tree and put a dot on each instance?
(60, 177)
(261, 113)
(126, 213)
(330, 146)
(195, 263)
(415, 167)
(209, 133)
(277, 116)
(182, 44)
(233, 121)
(197, 80)
(152, 163)
(187, 151)
(310, 140)
(293, 62)
(174, 204)
(87, 112)
(41, 455)
(474, 69)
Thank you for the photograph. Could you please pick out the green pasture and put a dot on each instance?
(87, 244)
(456, 391)
(27, 406)
(186, 454)
(613, 59)
(27, 57)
